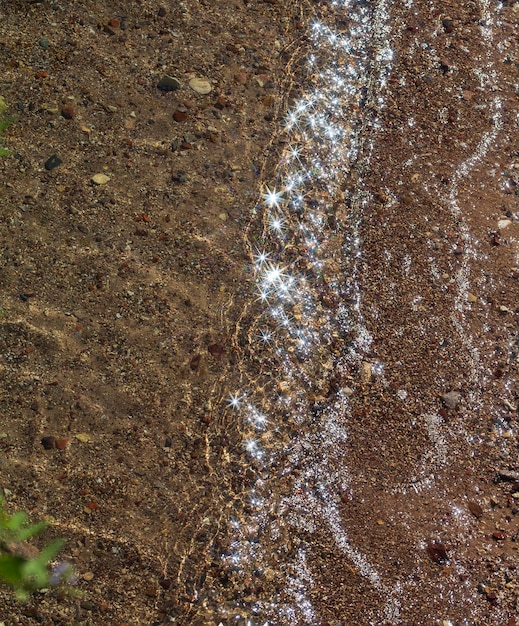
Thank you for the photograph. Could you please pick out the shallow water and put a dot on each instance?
(368, 248)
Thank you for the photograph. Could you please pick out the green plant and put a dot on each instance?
(4, 123)
(22, 566)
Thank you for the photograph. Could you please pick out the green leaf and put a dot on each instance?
(4, 152)
(34, 574)
(11, 569)
(34, 529)
(16, 521)
(5, 123)
(50, 551)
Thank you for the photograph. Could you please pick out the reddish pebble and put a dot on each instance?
(195, 362)
(41, 74)
(114, 22)
(179, 116)
(475, 509)
(216, 350)
(221, 103)
(499, 535)
(61, 444)
(437, 552)
(241, 77)
(93, 506)
(68, 111)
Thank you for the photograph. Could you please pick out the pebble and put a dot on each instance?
(68, 112)
(43, 43)
(448, 25)
(200, 85)
(475, 509)
(366, 372)
(179, 116)
(100, 179)
(508, 476)
(88, 576)
(168, 83)
(61, 444)
(221, 103)
(471, 297)
(83, 437)
(437, 552)
(241, 77)
(48, 442)
(451, 399)
(502, 224)
(52, 162)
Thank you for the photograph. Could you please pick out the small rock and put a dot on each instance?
(437, 552)
(83, 437)
(366, 372)
(200, 85)
(179, 178)
(151, 591)
(223, 216)
(475, 509)
(221, 103)
(179, 116)
(241, 78)
(114, 23)
(48, 443)
(88, 576)
(216, 350)
(499, 535)
(448, 25)
(168, 83)
(43, 43)
(508, 476)
(168, 443)
(451, 399)
(100, 179)
(52, 162)
(68, 111)
(87, 605)
(472, 298)
(61, 444)
(502, 224)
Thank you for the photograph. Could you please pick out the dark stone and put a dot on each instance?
(53, 162)
(168, 83)
(48, 442)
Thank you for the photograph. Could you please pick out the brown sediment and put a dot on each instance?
(128, 316)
